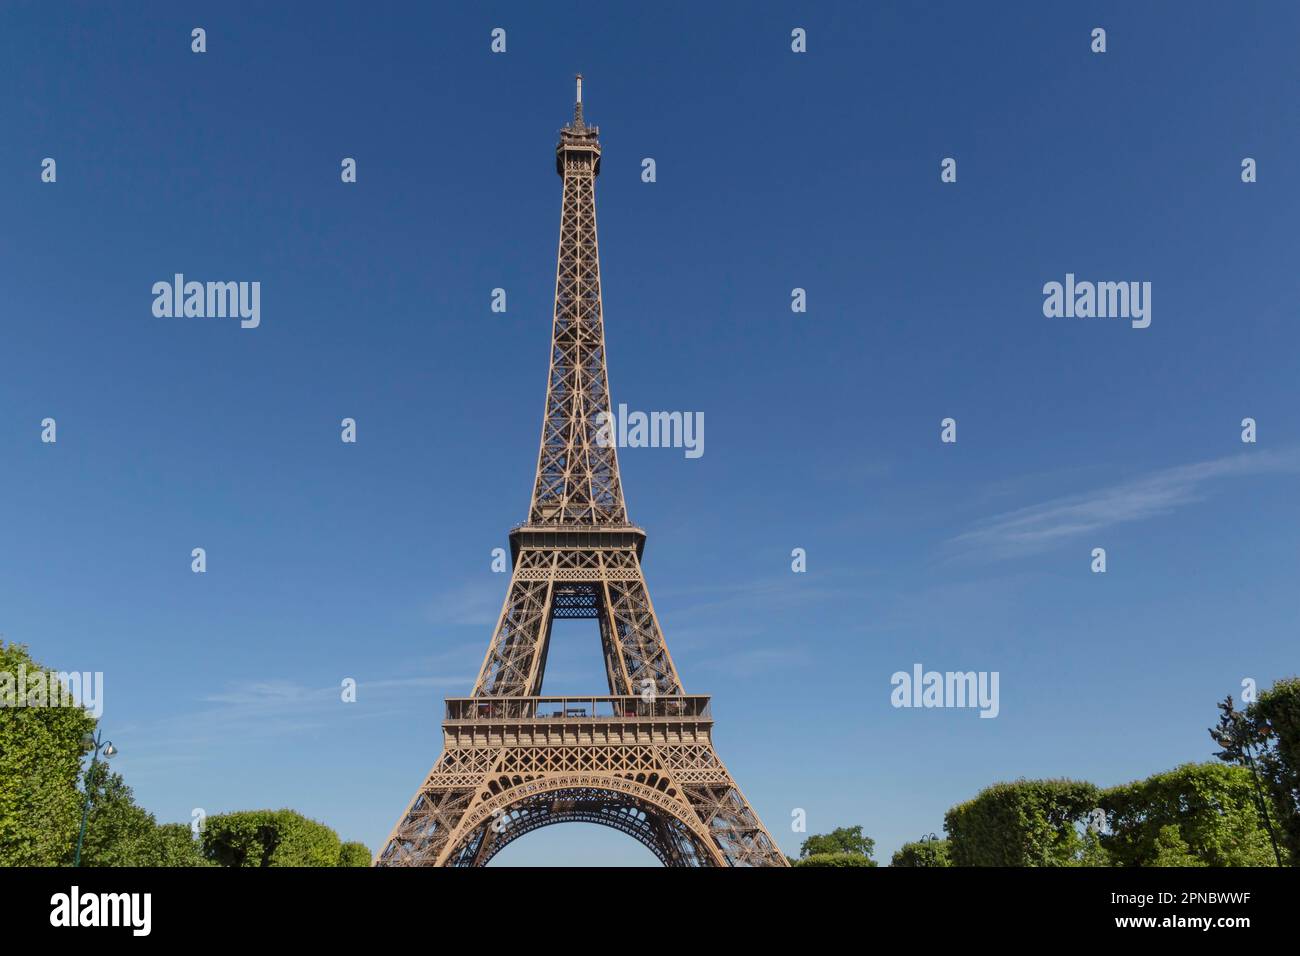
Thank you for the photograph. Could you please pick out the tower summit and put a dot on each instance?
(640, 759)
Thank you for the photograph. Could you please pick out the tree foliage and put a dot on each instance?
(1265, 738)
(269, 838)
(354, 854)
(1025, 823)
(118, 833)
(1193, 815)
(835, 859)
(178, 847)
(43, 791)
(40, 758)
(922, 853)
(843, 840)
(1277, 714)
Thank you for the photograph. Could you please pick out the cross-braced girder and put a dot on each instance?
(577, 466)
(607, 585)
(508, 764)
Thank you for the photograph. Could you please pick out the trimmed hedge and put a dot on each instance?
(929, 853)
(1025, 823)
(177, 846)
(40, 759)
(354, 854)
(269, 838)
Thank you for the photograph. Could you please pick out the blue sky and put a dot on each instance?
(775, 171)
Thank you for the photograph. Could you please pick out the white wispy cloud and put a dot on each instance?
(1041, 526)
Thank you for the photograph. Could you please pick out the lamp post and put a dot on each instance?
(91, 742)
(928, 838)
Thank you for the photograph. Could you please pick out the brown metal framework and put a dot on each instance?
(640, 760)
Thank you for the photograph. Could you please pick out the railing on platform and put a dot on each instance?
(688, 707)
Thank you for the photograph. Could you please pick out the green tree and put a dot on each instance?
(922, 853)
(847, 840)
(1193, 815)
(354, 854)
(1277, 714)
(40, 759)
(1025, 823)
(176, 846)
(42, 795)
(1265, 739)
(1172, 850)
(835, 859)
(269, 838)
(118, 833)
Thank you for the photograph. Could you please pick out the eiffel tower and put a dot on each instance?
(640, 760)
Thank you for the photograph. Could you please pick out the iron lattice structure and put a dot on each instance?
(640, 760)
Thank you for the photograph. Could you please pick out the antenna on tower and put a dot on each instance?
(577, 106)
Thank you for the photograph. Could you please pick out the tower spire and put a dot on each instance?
(577, 106)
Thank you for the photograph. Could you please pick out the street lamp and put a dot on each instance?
(91, 742)
(928, 838)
